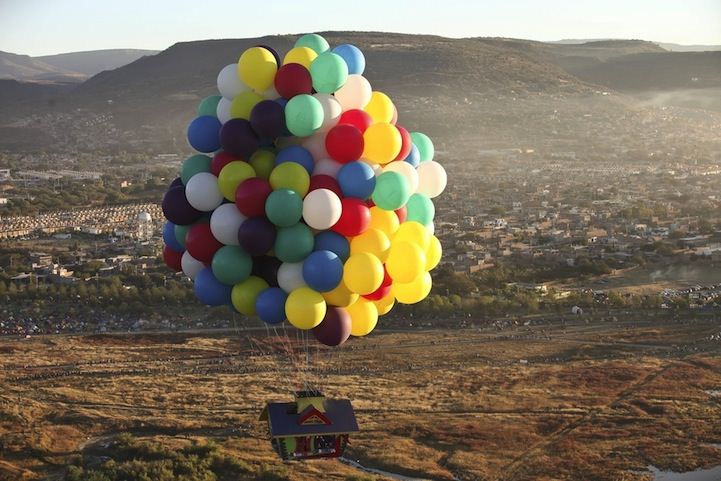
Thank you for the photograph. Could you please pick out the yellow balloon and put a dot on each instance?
(290, 175)
(341, 296)
(363, 317)
(382, 142)
(232, 175)
(245, 293)
(414, 291)
(263, 162)
(301, 55)
(363, 273)
(257, 68)
(373, 241)
(380, 108)
(405, 262)
(243, 103)
(433, 253)
(413, 232)
(305, 308)
(384, 220)
(385, 304)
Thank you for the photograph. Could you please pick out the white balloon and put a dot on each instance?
(406, 170)
(327, 167)
(202, 192)
(229, 83)
(355, 93)
(377, 169)
(271, 93)
(315, 144)
(225, 222)
(432, 178)
(223, 110)
(321, 209)
(190, 265)
(290, 276)
(331, 111)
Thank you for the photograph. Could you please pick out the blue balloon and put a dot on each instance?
(297, 154)
(353, 57)
(169, 237)
(414, 156)
(322, 270)
(334, 242)
(210, 290)
(204, 134)
(357, 179)
(270, 305)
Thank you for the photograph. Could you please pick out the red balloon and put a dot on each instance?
(344, 143)
(293, 79)
(359, 118)
(384, 288)
(322, 181)
(402, 213)
(250, 197)
(220, 160)
(201, 244)
(354, 218)
(407, 143)
(172, 258)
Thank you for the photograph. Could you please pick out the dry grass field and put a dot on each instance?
(575, 401)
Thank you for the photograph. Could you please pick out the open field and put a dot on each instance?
(571, 401)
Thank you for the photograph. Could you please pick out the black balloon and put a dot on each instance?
(177, 209)
(238, 139)
(266, 267)
(268, 119)
(335, 328)
(271, 50)
(256, 235)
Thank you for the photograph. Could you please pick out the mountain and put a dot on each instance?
(675, 47)
(26, 68)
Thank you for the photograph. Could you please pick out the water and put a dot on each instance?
(713, 474)
(397, 477)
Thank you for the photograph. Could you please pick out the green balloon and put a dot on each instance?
(420, 209)
(391, 191)
(231, 265)
(181, 231)
(314, 42)
(209, 106)
(294, 243)
(303, 115)
(329, 72)
(284, 207)
(263, 162)
(424, 144)
(193, 165)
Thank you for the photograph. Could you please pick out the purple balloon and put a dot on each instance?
(268, 119)
(175, 182)
(334, 330)
(177, 209)
(238, 139)
(256, 235)
(266, 267)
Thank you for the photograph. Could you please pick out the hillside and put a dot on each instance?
(24, 68)
(95, 61)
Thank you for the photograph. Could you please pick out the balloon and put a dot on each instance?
(191, 266)
(225, 222)
(341, 296)
(222, 111)
(363, 273)
(220, 160)
(395, 115)
(424, 144)
(355, 93)
(203, 134)
(301, 55)
(245, 294)
(243, 104)
(173, 258)
(414, 233)
(315, 144)
(314, 42)
(201, 244)
(325, 182)
(290, 276)
(194, 164)
(344, 143)
(382, 143)
(383, 290)
(203, 193)
(327, 167)
(356, 179)
(303, 115)
(180, 232)
(250, 196)
(256, 235)
(384, 220)
(210, 290)
(354, 217)
(373, 241)
(293, 79)
(290, 175)
(414, 157)
(406, 143)
(432, 178)
(392, 191)
(232, 175)
(231, 265)
(270, 305)
(322, 270)
(406, 170)
(353, 58)
(331, 110)
(268, 119)
(284, 207)
(294, 243)
(229, 83)
(414, 291)
(305, 308)
(334, 242)
(321, 209)
(169, 238)
(405, 262)
(272, 51)
(385, 304)
(380, 107)
(257, 67)
(238, 139)
(358, 118)
(401, 213)
(335, 328)
(262, 162)
(433, 253)
(420, 209)
(364, 317)
(176, 182)
(209, 106)
(176, 207)
(329, 72)
(297, 154)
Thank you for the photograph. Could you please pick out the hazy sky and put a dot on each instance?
(38, 27)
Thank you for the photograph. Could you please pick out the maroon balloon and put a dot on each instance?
(256, 235)
(359, 118)
(268, 119)
(238, 139)
(172, 258)
(293, 79)
(323, 181)
(402, 213)
(201, 244)
(406, 145)
(220, 160)
(176, 207)
(383, 290)
(354, 218)
(266, 267)
(344, 143)
(250, 196)
(335, 327)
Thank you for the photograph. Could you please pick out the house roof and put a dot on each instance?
(284, 420)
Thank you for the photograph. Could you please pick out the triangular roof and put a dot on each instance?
(284, 420)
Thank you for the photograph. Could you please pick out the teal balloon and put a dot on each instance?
(420, 209)
(314, 42)
(294, 243)
(424, 144)
(180, 232)
(303, 115)
(231, 265)
(209, 106)
(391, 192)
(193, 165)
(329, 72)
(284, 207)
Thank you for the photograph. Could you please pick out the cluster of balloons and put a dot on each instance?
(308, 202)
